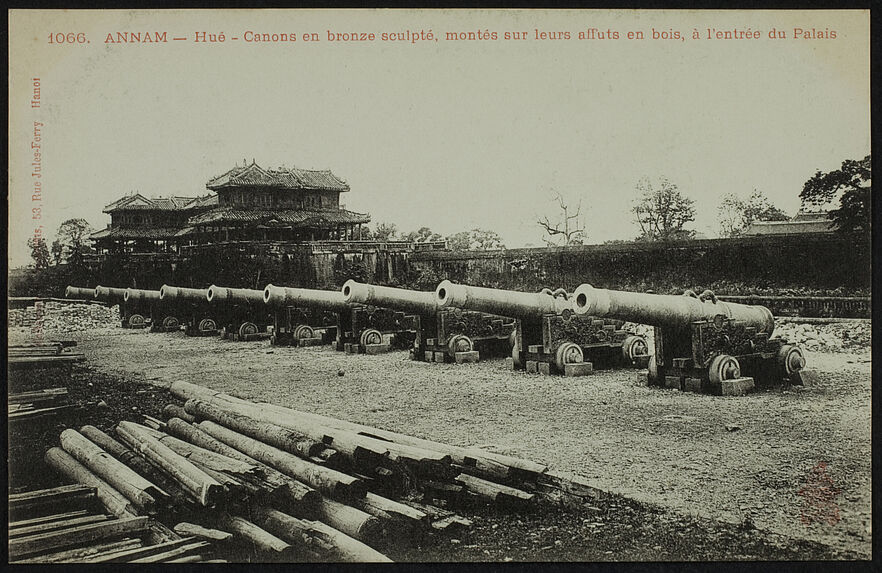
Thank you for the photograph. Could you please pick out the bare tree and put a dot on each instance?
(567, 228)
(736, 213)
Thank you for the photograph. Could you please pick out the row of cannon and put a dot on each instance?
(701, 343)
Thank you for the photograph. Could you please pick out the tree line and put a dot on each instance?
(661, 211)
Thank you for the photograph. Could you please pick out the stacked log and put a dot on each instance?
(241, 474)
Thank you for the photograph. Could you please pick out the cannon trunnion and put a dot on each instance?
(702, 344)
(443, 334)
(550, 337)
(191, 306)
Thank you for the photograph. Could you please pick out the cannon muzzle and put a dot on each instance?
(514, 304)
(140, 295)
(79, 292)
(304, 298)
(218, 294)
(110, 294)
(667, 310)
(418, 302)
(168, 293)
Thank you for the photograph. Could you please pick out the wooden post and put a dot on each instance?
(495, 492)
(129, 483)
(66, 465)
(175, 411)
(206, 489)
(326, 480)
(350, 520)
(137, 463)
(262, 539)
(266, 432)
(301, 495)
(316, 535)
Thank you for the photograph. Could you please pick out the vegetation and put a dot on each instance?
(662, 212)
(566, 227)
(852, 182)
(736, 214)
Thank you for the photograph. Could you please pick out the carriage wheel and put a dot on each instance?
(207, 325)
(136, 321)
(303, 331)
(170, 322)
(568, 353)
(790, 359)
(247, 328)
(723, 367)
(460, 343)
(371, 336)
(634, 348)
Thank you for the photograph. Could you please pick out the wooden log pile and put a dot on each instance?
(68, 525)
(289, 485)
(37, 405)
(45, 354)
(64, 316)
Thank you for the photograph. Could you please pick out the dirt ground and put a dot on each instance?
(779, 474)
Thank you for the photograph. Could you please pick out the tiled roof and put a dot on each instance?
(203, 202)
(790, 227)
(284, 178)
(282, 218)
(139, 202)
(135, 233)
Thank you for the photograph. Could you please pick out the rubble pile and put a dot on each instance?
(834, 336)
(64, 317)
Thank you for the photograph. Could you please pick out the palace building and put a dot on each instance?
(247, 204)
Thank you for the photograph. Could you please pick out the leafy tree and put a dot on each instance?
(662, 212)
(736, 213)
(423, 235)
(385, 231)
(39, 252)
(854, 181)
(73, 235)
(567, 227)
(57, 252)
(475, 240)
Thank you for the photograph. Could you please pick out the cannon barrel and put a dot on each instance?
(110, 294)
(140, 295)
(168, 293)
(389, 297)
(515, 304)
(666, 310)
(79, 292)
(218, 294)
(331, 300)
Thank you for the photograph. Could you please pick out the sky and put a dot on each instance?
(446, 134)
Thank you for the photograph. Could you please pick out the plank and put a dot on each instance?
(83, 534)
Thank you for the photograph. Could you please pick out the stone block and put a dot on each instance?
(643, 378)
(430, 342)
(693, 385)
(347, 348)
(672, 382)
(374, 349)
(737, 386)
(429, 356)
(578, 369)
(509, 363)
(469, 357)
(440, 357)
(532, 367)
(807, 377)
(544, 368)
(534, 348)
(315, 341)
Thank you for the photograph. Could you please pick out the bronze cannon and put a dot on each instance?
(191, 305)
(550, 337)
(701, 343)
(444, 334)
